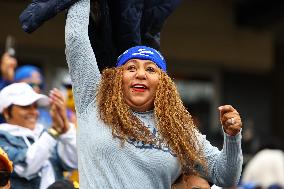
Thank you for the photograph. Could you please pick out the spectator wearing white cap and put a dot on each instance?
(29, 74)
(39, 155)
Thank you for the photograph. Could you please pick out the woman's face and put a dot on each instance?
(25, 116)
(139, 84)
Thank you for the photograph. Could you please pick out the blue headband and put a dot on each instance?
(144, 53)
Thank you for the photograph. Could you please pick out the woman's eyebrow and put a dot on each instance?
(132, 61)
(151, 64)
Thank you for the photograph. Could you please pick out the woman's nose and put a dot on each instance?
(141, 74)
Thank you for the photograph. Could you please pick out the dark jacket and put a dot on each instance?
(117, 24)
(127, 23)
(40, 11)
(139, 22)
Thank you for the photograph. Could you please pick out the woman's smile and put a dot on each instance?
(139, 88)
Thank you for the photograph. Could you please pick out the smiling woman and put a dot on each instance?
(39, 156)
(134, 129)
(23, 115)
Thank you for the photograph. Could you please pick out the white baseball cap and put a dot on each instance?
(20, 94)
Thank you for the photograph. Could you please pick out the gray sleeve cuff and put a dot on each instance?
(232, 147)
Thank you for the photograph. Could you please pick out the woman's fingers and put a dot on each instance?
(230, 120)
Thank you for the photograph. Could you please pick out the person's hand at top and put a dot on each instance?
(230, 120)
(8, 66)
(58, 111)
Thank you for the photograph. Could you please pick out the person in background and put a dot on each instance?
(32, 75)
(8, 66)
(191, 182)
(10, 73)
(6, 168)
(266, 168)
(62, 184)
(39, 155)
(29, 74)
(134, 131)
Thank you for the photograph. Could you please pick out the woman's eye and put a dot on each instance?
(131, 68)
(150, 69)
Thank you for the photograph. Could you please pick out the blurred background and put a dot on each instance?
(218, 52)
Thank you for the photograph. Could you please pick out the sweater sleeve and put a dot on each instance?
(80, 57)
(225, 166)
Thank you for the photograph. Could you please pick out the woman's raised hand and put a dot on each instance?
(230, 120)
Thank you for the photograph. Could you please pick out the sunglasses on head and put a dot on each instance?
(4, 177)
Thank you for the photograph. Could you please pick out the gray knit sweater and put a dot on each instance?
(103, 163)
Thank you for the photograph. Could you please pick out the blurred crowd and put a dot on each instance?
(38, 132)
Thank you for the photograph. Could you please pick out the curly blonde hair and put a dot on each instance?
(174, 122)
